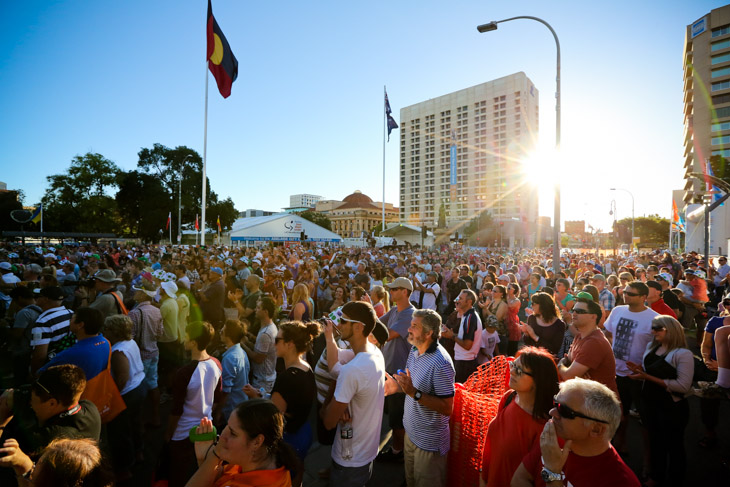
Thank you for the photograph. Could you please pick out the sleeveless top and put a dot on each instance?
(130, 349)
(305, 316)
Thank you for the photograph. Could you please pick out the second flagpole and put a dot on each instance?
(385, 129)
(205, 158)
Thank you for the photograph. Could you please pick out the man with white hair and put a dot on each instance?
(575, 445)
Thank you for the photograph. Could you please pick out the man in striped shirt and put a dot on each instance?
(51, 332)
(428, 383)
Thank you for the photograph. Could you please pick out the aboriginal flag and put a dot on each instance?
(221, 61)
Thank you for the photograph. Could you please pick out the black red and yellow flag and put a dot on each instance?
(221, 61)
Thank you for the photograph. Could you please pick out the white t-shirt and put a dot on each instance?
(475, 327)
(264, 374)
(631, 333)
(429, 300)
(489, 341)
(361, 384)
(480, 279)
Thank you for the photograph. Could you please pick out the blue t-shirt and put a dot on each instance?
(712, 326)
(91, 354)
(396, 350)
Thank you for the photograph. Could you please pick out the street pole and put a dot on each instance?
(632, 213)
(179, 201)
(556, 217)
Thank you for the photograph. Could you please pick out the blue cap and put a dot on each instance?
(217, 270)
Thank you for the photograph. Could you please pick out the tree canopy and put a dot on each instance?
(653, 230)
(96, 196)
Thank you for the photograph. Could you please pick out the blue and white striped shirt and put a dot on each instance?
(431, 373)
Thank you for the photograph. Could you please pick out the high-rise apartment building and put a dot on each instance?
(492, 126)
(303, 200)
(706, 116)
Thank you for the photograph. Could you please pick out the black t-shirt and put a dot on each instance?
(298, 389)
(454, 288)
(249, 302)
(672, 300)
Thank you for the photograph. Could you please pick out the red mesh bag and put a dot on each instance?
(475, 405)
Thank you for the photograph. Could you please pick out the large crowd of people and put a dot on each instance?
(242, 344)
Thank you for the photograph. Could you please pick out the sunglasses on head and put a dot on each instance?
(567, 413)
(42, 387)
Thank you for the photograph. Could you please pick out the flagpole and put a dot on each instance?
(41, 218)
(385, 128)
(169, 226)
(205, 157)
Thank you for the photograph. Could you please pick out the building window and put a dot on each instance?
(716, 46)
(716, 73)
(721, 31)
(723, 153)
(718, 127)
(722, 112)
(720, 58)
(725, 139)
(721, 85)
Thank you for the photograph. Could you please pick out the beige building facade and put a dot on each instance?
(356, 215)
(493, 126)
(706, 119)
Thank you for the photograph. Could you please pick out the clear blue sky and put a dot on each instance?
(305, 115)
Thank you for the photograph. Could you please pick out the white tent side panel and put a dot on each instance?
(282, 227)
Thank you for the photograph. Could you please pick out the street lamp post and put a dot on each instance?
(179, 200)
(556, 217)
(632, 212)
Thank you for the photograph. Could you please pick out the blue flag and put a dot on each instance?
(391, 125)
(387, 105)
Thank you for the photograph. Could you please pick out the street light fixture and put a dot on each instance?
(490, 26)
(632, 212)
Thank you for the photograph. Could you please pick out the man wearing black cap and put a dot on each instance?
(360, 390)
(51, 333)
(655, 301)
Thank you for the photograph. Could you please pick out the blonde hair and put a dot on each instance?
(380, 293)
(300, 293)
(674, 332)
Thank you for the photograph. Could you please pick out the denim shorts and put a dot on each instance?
(150, 372)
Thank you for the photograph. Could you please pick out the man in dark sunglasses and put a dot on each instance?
(629, 328)
(575, 445)
(590, 355)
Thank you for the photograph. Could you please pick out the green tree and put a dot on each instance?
(223, 209)
(9, 201)
(442, 215)
(143, 205)
(481, 229)
(79, 199)
(169, 165)
(653, 230)
(317, 218)
(720, 168)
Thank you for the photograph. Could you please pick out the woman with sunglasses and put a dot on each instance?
(544, 328)
(521, 415)
(294, 390)
(667, 378)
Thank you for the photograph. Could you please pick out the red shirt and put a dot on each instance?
(606, 469)
(233, 477)
(510, 436)
(661, 307)
(595, 352)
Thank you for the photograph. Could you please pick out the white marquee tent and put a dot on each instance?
(281, 227)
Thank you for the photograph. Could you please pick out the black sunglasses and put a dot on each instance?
(629, 293)
(519, 370)
(580, 311)
(658, 328)
(567, 413)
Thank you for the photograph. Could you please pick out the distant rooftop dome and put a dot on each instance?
(358, 198)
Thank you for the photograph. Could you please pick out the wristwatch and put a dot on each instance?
(548, 476)
(417, 395)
